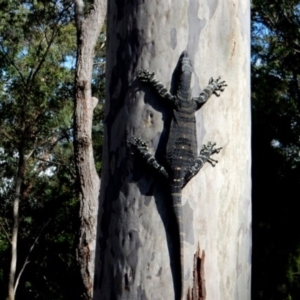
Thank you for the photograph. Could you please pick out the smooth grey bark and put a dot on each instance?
(88, 29)
(136, 240)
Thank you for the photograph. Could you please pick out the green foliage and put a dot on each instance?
(37, 46)
(276, 146)
(37, 59)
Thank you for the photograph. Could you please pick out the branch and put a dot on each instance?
(45, 54)
(10, 60)
(79, 15)
(50, 162)
(38, 50)
(7, 135)
(5, 232)
(51, 140)
(30, 250)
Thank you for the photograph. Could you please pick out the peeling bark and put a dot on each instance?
(198, 291)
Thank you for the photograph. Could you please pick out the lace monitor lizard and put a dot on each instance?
(182, 162)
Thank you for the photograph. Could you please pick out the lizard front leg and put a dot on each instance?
(149, 77)
(142, 149)
(203, 157)
(213, 87)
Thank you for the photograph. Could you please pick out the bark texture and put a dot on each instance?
(198, 291)
(137, 242)
(88, 29)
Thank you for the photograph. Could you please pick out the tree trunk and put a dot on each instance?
(15, 228)
(136, 234)
(88, 30)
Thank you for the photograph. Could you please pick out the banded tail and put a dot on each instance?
(177, 206)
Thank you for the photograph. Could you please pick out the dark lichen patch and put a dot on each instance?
(141, 295)
(151, 48)
(152, 256)
(212, 4)
(188, 218)
(126, 280)
(173, 38)
(147, 200)
(195, 26)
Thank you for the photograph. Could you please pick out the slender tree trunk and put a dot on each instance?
(136, 233)
(88, 30)
(15, 228)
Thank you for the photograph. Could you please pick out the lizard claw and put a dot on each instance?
(138, 144)
(218, 85)
(213, 162)
(208, 150)
(144, 75)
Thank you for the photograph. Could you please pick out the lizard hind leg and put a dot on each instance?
(142, 148)
(202, 158)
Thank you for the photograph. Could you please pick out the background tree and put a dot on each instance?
(37, 41)
(136, 228)
(90, 17)
(276, 131)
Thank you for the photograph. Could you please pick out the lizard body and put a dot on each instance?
(182, 161)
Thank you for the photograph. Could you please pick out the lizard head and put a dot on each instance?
(185, 75)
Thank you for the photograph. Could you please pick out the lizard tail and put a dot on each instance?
(177, 206)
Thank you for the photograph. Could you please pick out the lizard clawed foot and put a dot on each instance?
(144, 75)
(208, 150)
(218, 85)
(141, 148)
(138, 144)
(213, 162)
